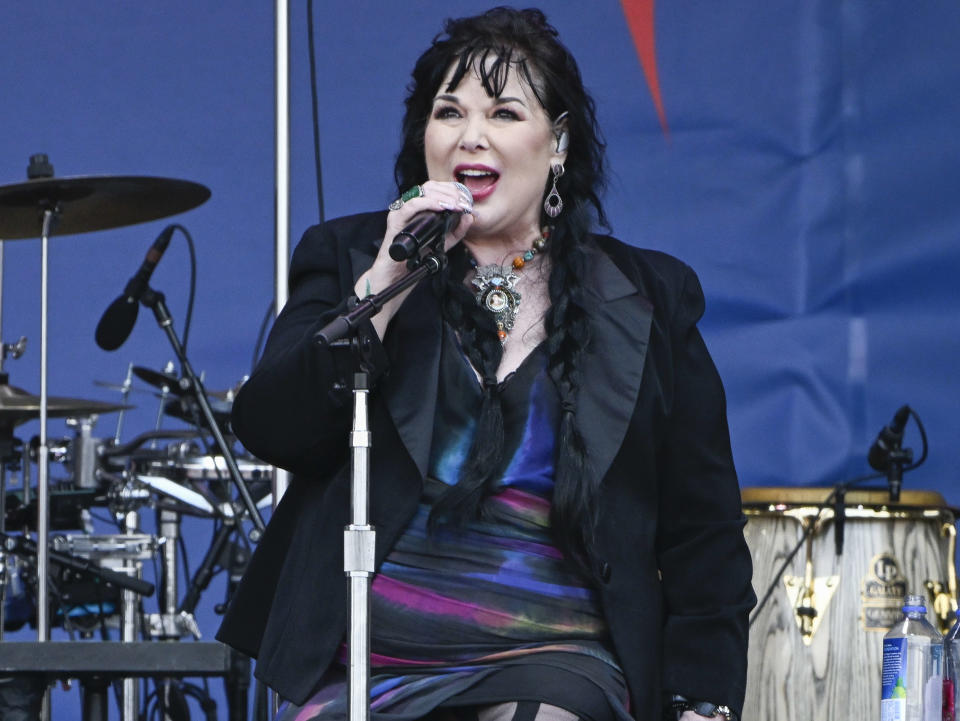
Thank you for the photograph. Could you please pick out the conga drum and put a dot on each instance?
(815, 649)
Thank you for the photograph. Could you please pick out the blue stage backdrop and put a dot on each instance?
(802, 157)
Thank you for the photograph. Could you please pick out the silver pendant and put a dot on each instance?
(497, 294)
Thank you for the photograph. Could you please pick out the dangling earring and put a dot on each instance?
(554, 203)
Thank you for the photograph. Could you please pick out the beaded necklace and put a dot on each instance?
(496, 290)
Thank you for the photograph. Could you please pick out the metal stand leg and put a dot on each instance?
(95, 699)
(129, 630)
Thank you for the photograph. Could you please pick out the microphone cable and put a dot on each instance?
(193, 284)
(315, 108)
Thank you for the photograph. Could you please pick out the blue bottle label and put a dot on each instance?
(893, 695)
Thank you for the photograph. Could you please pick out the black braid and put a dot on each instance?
(478, 337)
(574, 508)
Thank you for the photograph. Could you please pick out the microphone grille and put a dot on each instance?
(465, 190)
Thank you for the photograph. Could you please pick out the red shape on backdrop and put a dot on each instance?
(639, 14)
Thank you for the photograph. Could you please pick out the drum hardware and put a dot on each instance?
(45, 205)
(889, 549)
(82, 459)
(178, 492)
(156, 302)
(810, 595)
(943, 600)
(12, 350)
(172, 622)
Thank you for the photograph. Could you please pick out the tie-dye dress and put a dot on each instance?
(491, 612)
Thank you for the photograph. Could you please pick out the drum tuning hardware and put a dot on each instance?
(13, 350)
(943, 605)
(809, 596)
(172, 625)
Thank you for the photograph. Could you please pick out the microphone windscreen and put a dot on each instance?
(117, 322)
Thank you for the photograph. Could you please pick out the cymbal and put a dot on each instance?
(159, 379)
(17, 406)
(89, 203)
(120, 388)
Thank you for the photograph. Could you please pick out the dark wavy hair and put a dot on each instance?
(500, 41)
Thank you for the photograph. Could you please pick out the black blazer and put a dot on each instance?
(673, 566)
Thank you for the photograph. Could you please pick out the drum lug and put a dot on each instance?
(943, 598)
(809, 598)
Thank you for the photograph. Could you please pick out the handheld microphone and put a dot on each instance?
(425, 229)
(118, 319)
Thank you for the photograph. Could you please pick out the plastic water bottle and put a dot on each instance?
(912, 684)
(951, 673)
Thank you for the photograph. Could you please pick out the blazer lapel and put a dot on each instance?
(413, 345)
(611, 369)
(613, 365)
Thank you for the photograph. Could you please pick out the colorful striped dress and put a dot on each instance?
(490, 612)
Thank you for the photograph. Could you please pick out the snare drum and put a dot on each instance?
(815, 649)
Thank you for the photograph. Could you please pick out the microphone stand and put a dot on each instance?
(156, 302)
(896, 460)
(359, 538)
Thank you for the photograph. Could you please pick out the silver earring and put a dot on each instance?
(554, 203)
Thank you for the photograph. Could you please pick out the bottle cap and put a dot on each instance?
(915, 603)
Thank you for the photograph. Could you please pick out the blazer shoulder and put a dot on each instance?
(662, 278)
(361, 230)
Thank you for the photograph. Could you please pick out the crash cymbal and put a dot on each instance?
(17, 406)
(89, 203)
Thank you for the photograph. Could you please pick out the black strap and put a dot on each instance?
(526, 711)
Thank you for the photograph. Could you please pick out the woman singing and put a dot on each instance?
(559, 533)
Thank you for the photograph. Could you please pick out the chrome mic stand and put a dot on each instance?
(359, 538)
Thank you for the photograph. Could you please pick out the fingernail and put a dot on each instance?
(444, 205)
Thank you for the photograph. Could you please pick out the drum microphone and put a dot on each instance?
(425, 229)
(886, 454)
(888, 440)
(118, 319)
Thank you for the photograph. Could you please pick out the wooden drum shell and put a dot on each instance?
(836, 676)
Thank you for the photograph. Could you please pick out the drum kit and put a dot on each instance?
(54, 569)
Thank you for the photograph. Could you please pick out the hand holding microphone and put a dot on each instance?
(428, 227)
(440, 211)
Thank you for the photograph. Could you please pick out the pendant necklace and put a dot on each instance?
(496, 290)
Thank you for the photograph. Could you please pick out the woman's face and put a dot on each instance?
(500, 148)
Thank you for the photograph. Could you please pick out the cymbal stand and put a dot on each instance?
(124, 396)
(51, 214)
(129, 629)
(164, 395)
(169, 624)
